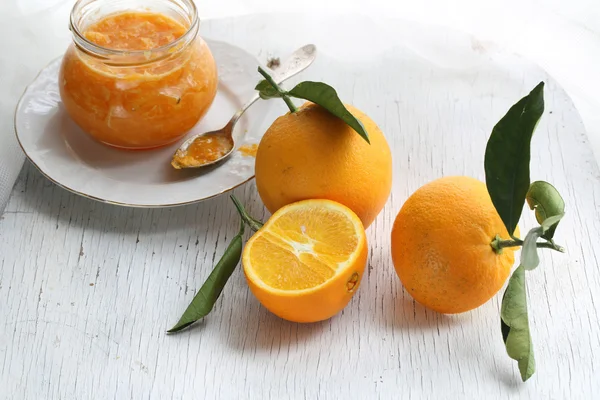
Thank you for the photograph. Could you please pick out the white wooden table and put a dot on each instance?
(87, 290)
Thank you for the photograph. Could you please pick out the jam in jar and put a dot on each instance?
(137, 75)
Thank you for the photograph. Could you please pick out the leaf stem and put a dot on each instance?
(498, 244)
(253, 223)
(283, 93)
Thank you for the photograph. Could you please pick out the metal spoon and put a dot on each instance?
(219, 144)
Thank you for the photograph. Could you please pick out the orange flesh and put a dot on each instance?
(142, 106)
(298, 251)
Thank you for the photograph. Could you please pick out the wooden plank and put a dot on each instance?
(87, 290)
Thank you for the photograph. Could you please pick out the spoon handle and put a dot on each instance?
(297, 62)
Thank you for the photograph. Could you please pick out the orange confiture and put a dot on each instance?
(203, 150)
(144, 105)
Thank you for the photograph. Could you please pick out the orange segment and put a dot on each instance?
(282, 268)
(299, 264)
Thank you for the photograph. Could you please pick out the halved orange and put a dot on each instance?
(307, 261)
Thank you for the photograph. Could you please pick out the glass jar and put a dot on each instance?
(137, 75)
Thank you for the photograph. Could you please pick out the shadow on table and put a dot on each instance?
(402, 314)
(413, 317)
(65, 208)
(409, 314)
(265, 332)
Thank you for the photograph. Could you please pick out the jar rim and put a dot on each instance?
(132, 57)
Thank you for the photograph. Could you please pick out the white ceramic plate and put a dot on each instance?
(73, 160)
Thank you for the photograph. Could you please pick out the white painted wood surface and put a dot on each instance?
(87, 290)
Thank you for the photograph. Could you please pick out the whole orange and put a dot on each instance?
(311, 154)
(441, 245)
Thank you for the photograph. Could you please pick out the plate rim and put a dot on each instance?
(96, 198)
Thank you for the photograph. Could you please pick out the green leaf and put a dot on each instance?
(515, 324)
(547, 202)
(205, 299)
(505, 328)
(267, 91)
(529, 255)
(324, 95)
(551, 222)
(507, 157)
